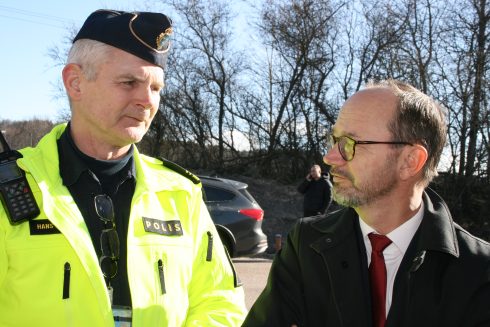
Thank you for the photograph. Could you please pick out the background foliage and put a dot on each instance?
(258, 99)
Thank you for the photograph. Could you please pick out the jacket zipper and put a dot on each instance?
(161, 276)
(66, 281)
(209, 255)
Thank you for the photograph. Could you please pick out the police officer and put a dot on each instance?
(121, 237)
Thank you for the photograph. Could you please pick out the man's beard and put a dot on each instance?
(378, 185)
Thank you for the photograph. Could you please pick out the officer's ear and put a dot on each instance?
(72, 74)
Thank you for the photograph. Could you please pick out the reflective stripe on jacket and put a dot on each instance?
(50, 274)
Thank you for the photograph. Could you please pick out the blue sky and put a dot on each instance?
(28, 29)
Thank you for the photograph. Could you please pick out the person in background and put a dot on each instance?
(317, 191)
(121, 237)
(393, 256)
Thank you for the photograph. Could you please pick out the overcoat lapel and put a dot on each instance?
(418, 279)
(343, 253)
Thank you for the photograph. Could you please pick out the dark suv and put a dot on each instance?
(236, 214)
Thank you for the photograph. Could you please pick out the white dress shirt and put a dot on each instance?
(393, 254)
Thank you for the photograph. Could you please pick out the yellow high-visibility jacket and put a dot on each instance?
(50, 274)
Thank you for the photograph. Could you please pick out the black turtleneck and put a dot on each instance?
(85, 177)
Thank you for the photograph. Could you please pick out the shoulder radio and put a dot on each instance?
(15, 193)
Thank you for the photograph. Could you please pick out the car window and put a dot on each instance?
(214, 194)
(247, 195)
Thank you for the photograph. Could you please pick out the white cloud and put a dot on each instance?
(240, 140)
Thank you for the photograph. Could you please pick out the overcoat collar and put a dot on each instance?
(437, 232)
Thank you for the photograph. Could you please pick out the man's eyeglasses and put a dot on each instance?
(109, 240)
(347, 145)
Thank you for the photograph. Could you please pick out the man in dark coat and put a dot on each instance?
(385, 147)
(317, 191)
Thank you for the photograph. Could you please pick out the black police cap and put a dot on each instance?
(143, 34)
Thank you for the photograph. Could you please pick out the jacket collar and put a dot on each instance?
(43, 163)
(437, 232)
(73, 162)
(153, 176)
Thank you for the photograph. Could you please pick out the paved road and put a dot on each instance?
(253, 273)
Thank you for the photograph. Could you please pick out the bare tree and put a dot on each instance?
(478, 26)
(205, 45)
(300, 40)
(464, 66)
(24, 133)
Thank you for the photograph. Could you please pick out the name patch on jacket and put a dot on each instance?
(163, 227)
(42, 227)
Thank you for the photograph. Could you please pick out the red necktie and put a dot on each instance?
(377, 278)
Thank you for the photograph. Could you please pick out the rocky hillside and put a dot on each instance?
(282, 205)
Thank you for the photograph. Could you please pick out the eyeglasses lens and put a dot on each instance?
(346, 148)
(109, 243)
(104, 208)
(108, 267)
(343, 144)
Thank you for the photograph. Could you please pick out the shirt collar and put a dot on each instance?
(400, 236)
(71, 163)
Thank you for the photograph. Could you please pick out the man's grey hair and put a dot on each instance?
(89, 54)
(419, 119)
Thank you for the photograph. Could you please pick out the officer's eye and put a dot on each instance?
(156, 88)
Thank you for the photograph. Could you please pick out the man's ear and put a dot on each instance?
(72, 74)
(414, 159)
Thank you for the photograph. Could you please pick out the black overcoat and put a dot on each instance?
(320, 277)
